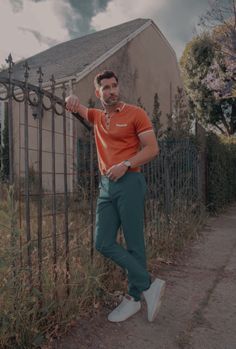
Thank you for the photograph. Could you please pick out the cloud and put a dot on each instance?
(17, 5)
(86, 9)
(176, 19)
(120, 11)
(33, 27)
(41, 38)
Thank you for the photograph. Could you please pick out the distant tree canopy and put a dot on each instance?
(220, 22)
(209, 72)
(179, 121)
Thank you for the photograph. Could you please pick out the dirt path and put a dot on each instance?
(199, 307)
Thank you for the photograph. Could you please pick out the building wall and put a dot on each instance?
(145, 65)
(47, 155)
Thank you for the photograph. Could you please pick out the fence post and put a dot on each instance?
(92, 192)
(40, 161)
(27, 189)
(10, 120)
(167, 181)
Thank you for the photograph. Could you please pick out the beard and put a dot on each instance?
(112, 100)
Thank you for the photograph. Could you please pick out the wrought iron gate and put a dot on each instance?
(43, 170)
(56, 192)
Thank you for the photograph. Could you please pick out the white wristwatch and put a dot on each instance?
(127, 163)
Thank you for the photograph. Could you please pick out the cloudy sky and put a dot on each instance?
(30, 26)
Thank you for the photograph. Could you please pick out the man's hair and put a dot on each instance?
(106, 74)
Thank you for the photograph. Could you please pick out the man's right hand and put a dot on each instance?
(72, 103)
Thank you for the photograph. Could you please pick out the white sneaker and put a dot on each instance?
(153, 297)
(125, 309)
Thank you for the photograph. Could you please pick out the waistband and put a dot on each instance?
(135, 169)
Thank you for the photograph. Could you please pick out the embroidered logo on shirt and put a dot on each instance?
(121, 125)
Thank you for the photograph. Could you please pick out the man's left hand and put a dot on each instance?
(116, 171)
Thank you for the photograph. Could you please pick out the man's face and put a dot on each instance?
(108, 92)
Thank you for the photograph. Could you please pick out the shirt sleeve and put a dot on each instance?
(142, 122)
(92, 115)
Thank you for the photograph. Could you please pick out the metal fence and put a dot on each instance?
(175, 185)
(55, 177)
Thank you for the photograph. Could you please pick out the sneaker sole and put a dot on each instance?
(159, 294)
(123, 319)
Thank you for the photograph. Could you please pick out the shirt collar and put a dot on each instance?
(118, 109)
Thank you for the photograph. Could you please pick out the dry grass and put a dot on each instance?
(30, 317)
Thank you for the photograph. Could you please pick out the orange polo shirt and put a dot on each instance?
(119, 140)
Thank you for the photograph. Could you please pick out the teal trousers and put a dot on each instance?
(121, 204)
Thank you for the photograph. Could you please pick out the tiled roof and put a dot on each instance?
(72, 57)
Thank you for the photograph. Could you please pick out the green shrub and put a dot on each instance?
(221, 171)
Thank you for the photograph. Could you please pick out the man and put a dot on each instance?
(125, 140)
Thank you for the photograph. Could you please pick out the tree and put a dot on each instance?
(221, 80)
(140, 103)
(199, 64)
(179, 122)
(210, 73)
(156, 116)
(220, 22)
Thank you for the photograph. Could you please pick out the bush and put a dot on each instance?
(221, 171)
